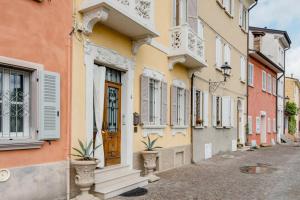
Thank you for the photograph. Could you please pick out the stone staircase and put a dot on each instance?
(285, 139)
(115, 180)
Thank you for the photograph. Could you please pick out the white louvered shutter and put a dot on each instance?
(145, 100)
(174, 106)
(49, 106)
(243, 69)
(241, 7)
(187, 95)
(232, 114)
(194, 106)
(164, 103)
(250, 125)
(214, 110)
(226, 109)
(205, 108)
(218, 52)
(192, 14)
(257, 124)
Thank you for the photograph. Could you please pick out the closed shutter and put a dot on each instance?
(192, 14)
(49, 106)
(250, 125)
(187, 107)
(243, 69)
(145, 100)
(214, 110)
(264, 81)
(174, 105)
(218, 52)
(205, 108)
(194, 106)
(200, 29)
(227, 54)
(164, 103)
(241, 13)
(226, 109)
(257, 124)
(232, 114)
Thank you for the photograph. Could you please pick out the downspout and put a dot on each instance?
(191, 121)
(247, 94)
(284, 59)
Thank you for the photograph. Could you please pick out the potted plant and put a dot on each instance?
(85, 166)
(199, 121)
(149, 155)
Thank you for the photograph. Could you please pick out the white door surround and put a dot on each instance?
(263, 121)
(107, 57)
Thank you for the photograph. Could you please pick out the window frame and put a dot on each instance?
(274, 86)
(251, 74)
(269, 83)
(178, 8)
(200, 112)
(264, 81)
(219, 112)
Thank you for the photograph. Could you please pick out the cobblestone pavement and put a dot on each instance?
(220, 178)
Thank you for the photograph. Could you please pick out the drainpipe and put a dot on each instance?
(191, 123)
(284, 101)
(247, 94)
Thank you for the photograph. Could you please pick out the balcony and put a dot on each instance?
(133, 18)
(186, 47)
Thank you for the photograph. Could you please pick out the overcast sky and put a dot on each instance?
(282, 15)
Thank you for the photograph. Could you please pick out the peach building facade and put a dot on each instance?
(34, 71)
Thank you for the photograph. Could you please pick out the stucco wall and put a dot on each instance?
(259, 101)
(39, 33)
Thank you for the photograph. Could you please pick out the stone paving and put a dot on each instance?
(220, 178)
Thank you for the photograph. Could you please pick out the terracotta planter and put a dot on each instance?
(150, 164)
(85, 178)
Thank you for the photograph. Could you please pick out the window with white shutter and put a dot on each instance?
(269, 84)
(251, 74)
(214, 110)
(264, 81)
(250, 125)
(180, 107)
(274, 86)
(218, 111)
(227, 54)
(257, 123)
(49, 106)
(269, 125)
(200, 108)
(153, 101)
(174, 112)
(243, 16)
(205, 108)
(226, 111)
(243, 68)
(219, 52)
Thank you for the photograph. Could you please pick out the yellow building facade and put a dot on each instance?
(138, 69)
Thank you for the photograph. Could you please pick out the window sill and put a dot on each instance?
(244, 82)
(220, 4)
(179, 127)
(154, 126)
(222, 127)
(7, 145)
(251, 85)
(218, 68)
(199, 127)
(228, 13)
(243, 29)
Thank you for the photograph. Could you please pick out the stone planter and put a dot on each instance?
(150, 165)
(85, 178)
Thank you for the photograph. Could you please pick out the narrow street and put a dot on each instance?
(221, 178)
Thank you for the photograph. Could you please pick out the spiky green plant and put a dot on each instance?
(84, 152)
(150, 144)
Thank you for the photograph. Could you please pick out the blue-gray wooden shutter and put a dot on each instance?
(49, 106)
(192, 14)
(145, 100)
(174, 118)
(164, 103)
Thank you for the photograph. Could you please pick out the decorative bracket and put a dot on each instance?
(136, 44)
(213, 86)
(174, 60)
(92, 17)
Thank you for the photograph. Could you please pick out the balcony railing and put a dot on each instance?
(186, 44)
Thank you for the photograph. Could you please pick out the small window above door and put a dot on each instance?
(113, 75)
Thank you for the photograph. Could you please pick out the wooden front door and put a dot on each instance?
(112, 123)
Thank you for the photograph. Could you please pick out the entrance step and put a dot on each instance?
(113, 181)
(285, 139)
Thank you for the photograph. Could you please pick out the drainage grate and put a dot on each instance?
(135, 192)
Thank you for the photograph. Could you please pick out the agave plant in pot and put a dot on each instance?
(85, 165)
(149, 155)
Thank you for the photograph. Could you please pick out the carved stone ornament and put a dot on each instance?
(150, 164)
(136, 44)
(174, 60)
(85, 178)
(106, 56)
(92, 17)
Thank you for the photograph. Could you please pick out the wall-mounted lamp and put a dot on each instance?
(226, 70)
